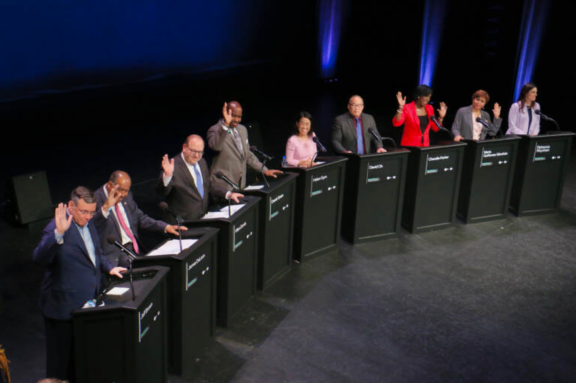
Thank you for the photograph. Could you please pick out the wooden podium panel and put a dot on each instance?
(319, 199)
(432, 186)
(540, 173)
(487, 175)
(374, 194)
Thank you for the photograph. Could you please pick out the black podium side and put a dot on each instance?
(319, 198)
(237, 258)
(276, 227)
(432, 186)
(540, 173)
(191, 298)
(125, 340)
(374, 194)
(487, 175)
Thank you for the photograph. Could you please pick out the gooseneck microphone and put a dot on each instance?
(223, 177)
(435, 121)
(264, 155)
(546, 118)
(179, 220)
(111, 240)
(317, 141)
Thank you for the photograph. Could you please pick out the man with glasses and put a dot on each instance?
(350, 131)
(185, 182)
(230, 139)
(74, 262)
(118, 216)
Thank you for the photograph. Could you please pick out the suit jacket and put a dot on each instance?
(231, 161)
(344, 134)
(463, 124)
(412, 135)
(110, 226)
(70, 278)
(182, 195)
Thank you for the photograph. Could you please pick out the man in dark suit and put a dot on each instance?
(74, 261)
(185, 182)
(230, 139)
(118, 215)
(346, 129)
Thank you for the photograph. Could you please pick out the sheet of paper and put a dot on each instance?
(117, 291)
(233, 208)
(215, 214)
(172, 247)
(254, 187)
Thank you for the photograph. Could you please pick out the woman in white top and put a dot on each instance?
(466, 125)
(522, 119)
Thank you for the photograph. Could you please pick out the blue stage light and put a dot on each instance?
(534, 17)
(434, 11)
(330, 26)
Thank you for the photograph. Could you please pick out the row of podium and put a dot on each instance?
(180, 298)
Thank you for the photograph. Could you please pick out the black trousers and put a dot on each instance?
(59, 349)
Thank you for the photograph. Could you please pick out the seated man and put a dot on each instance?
(118, 216)
(74, 261)
(185, 182)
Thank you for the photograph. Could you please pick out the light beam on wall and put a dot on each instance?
(434, 11)
(330, 26)
(534, 17)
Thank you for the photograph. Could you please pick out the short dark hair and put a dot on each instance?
(422, 90)
(81, 192)
(301, 115)
(481, 94)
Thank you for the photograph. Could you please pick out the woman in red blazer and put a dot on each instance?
(416, 117)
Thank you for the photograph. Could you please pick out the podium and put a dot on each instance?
(432, 186)
(374, 194)
(487, 175)
(540, 172)
(236, 262)
(125, 340)
(319, 198)
(276, 227)
(191, 299)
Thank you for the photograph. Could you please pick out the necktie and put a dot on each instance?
(126, 229)
(237, 139)
(199, 183)
(359, 137)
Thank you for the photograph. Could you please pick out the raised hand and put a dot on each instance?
(496, 110)
(113, 197)
(227, 114)
(401, 101)
(442, 110)
(62, 223)
(168, 166)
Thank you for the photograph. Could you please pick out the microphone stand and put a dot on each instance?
(263, 175)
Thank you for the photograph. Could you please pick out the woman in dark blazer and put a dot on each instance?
(466, 125)
(417, 117)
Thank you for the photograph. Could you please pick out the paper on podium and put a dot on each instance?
(254, 187)
(117, 291)
(223, 213)
(172, 247)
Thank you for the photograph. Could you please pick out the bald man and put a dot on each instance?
(230, 139)
(185, 182)
(347, 126)
(118, 216)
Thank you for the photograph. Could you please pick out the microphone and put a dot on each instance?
(164, 207)
(478, 119)
(435, 121)
(223, 177)
(375, 134)
(317, 141)
(264, 155)
(111, 240)
(546, 118)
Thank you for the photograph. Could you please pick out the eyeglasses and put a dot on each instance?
(356, 105)
(86, 212)
(195, 152)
